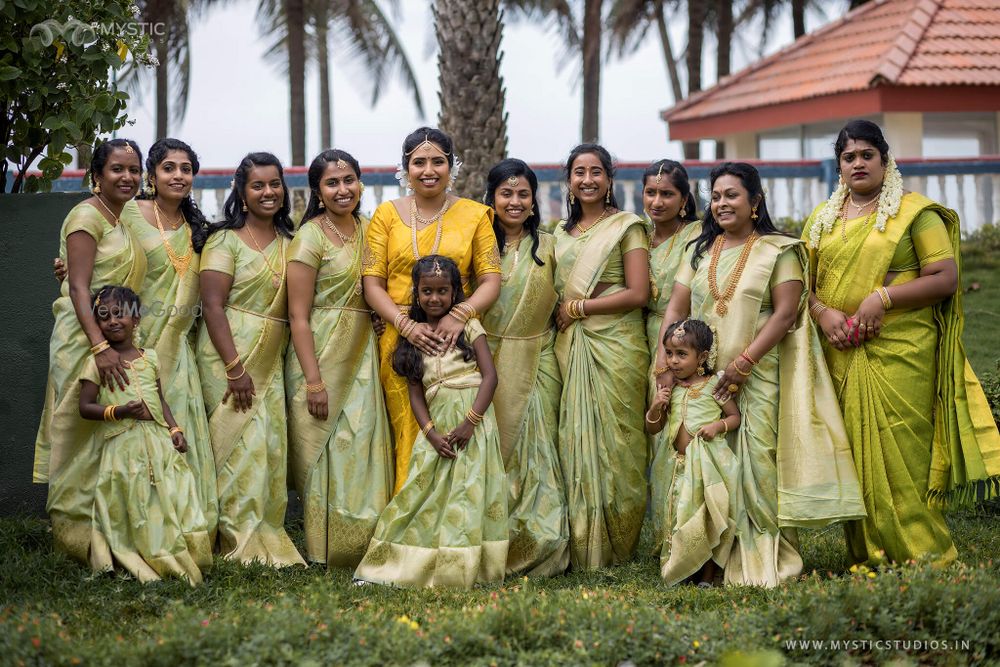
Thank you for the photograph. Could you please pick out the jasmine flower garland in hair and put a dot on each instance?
(889, 200)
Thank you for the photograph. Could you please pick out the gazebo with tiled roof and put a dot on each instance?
(918, 67)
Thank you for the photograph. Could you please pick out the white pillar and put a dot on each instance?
(905, 133)
(740, 146)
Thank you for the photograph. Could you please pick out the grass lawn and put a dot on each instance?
(56, 612)
(982, 308)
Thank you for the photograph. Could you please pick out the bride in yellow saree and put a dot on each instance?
(885, 273)
(747, 280)
(602, 278)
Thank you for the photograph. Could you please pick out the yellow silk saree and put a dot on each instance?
(920, 427)
(520, 332)
(342, 467)
(250, 447)
(603, 361)
(67, 453)
(467, 238)
(171, 302)
(793, 451)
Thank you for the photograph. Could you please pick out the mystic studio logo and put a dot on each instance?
(73, 31)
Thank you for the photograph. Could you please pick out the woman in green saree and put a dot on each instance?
(793, 452)
(99, 248)
(241, 351)
(520, 332)
(602, 278)
(339, 439)
(885, 273)
(667, 200)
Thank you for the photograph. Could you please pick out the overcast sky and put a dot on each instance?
(239, 103)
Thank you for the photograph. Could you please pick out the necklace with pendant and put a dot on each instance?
(275, 276)
(517, 256)
(179, 262)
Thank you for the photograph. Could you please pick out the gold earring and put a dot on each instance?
(321, 204)
(607, 197)
(96, 189)
(245, 209)
(362, 187)
(572, 199)
(753, 213)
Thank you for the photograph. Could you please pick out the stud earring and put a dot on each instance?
(572, 199)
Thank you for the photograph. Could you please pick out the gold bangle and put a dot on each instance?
(883, 294)
(725, 425)
(107, 412)
(660, 370)
(242, 373)
(583, 308)
(746, 355)
(474, 417)
(176, 429)
(315, 388)
(232, 364)
(399, 320)
(428, 427)
(739, 370)
(408, 327)
(111, 414)
(654, 421)
(100, 347)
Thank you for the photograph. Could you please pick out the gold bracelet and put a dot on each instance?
(176, 429)
(315, 388)
(725, 425)
(232, 364)
(654, 421)
(399, 320)
(660, 370)
(100, 347)
(883, 294)
(408, 327)
(474, 417)
(739, 370)
(107, 412)
(242, 373)
(746, 355)
(428, 427)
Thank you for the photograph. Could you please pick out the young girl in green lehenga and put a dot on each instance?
(697, 489)
(147, 514)
(447, 526)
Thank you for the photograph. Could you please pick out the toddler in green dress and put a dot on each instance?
(147, 517)
(447, 526)
(693, 489)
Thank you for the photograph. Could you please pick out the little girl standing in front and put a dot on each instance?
(147, 514)
(697, 484)
(447, 526)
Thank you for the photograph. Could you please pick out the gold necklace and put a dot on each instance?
(179, 262)
(275, 276)
(517, 256)
(843, 214)
(333, 227)
(605, 213)
(415, 217)
(722, 299)
(654, 290)
(107, 208)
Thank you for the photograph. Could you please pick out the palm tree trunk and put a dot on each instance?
(668, 54)
(471, 89)
(591, 129)
(799, 17)
(724, 31)
(323, 55)
(162, 88)
(696, 37)
(295, 16)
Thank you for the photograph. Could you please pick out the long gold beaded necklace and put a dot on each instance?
(517, 255)
(860, 209)
(415, 217)
(275, 276)
(722, 299)
(179, 262)
(349, 241)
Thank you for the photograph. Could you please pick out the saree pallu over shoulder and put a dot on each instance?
(602, 444)
(964, 465)
(119, 261)
(816, 479)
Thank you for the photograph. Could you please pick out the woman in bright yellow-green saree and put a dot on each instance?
(430, 221)
(602, 278)
(241, 352)
(667, 200)
(885, 275)
(520, 332)
(747, 280)
(339, 440)
(99, 249)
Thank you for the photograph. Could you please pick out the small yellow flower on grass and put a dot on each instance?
(696, 643)
(871, 575)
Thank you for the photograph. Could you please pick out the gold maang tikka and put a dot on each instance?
(512, 181)
(341, 164)
(428, 142)
(128, 148)
(437, 269)
(659, 175)
(680, 332)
